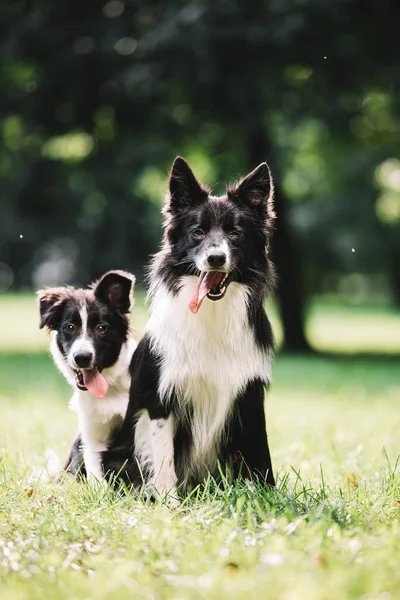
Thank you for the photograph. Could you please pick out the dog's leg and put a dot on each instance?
(162, 444)
(74, 464)
(93, 466)
(154, 444)
(249, 435)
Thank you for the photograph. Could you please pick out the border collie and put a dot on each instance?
(199, 373)
(92, 347)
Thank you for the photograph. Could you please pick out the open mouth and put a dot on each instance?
(80, 381)
(218, 291)
(212, 284)
(91, 380)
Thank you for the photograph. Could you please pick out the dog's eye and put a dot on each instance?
(235, 234)
(199, 234)
(101, 329)
(69, 328)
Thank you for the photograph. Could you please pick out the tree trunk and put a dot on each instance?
(285, 254)
(395, 273)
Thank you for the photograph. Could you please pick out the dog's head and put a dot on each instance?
(218, 239)
(90, 326)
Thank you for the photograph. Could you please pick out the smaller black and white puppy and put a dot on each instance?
(92, 347)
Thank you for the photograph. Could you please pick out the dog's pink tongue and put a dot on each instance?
(95, 382)
(206, 282)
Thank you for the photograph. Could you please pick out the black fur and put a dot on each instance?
(107, 302)
(244, 217)
(74, 465)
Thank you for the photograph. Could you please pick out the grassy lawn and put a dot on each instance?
(331, 529)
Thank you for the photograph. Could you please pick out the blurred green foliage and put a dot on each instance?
(98, 97)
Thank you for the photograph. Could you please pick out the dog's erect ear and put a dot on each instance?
(256, 190)
(115, 288)
(51, 303)
(184, 189)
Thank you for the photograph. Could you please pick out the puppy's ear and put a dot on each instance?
(256, 190)
(184, 189)
(51, 303)
(115, 288)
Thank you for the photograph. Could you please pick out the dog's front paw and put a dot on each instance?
(166, 494)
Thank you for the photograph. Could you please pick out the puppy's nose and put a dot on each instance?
(83, 359)
(216, 259)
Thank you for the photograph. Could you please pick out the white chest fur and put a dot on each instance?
(207, 358)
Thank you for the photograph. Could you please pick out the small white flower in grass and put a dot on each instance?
(132, 521)
(329, 533)
(205, 581)
(34, 569)
(20, 236)
(272, 560)
(172, 566)
(269, 527)
(355, 546)
(291, 528)
(249, 541)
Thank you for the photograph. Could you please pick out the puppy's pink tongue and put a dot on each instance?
(206, 281)
(95, 382)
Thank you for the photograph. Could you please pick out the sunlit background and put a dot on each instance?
(98, 98)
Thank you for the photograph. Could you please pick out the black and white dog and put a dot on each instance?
(92, 347)
(199, 373)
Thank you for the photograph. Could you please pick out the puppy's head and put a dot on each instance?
(90, 326)
(218, 239)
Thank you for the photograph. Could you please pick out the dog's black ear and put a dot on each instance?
(184, 188)
(115, 288)
(256, 190)
(51, 303)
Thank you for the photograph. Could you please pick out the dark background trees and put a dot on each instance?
(98, 97)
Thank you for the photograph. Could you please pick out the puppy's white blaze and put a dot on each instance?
(208, 358)
(83, 343)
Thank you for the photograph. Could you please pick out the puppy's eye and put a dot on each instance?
(69, 328)
(235, 234)
(199, 234)
(101, 329)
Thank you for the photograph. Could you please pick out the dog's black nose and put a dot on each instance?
(218, 259)
(83, 359)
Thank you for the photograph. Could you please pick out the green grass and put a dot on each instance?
(330, 530)
(331, 326)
